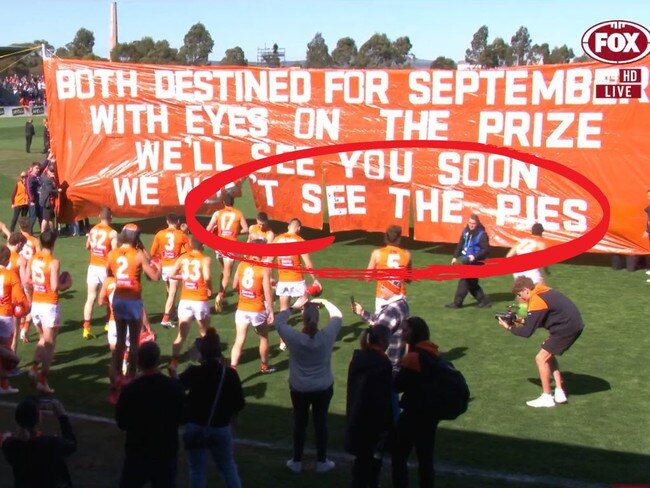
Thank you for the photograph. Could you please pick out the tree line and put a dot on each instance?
(377, 52)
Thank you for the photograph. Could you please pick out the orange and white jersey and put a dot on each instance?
(110, 293)
(528, 245)
(251, 287)
(127, 270)
(289, 261)
(194, 286)
(11, 291)
(13, 262)
(39, 273)
(255, 232)
(168, 244)
(228, 223)
(30, 247)
(391, 257)
(99, 240)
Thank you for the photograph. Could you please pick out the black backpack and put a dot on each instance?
(444, 389)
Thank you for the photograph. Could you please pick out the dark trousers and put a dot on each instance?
(421, 434)
(19, 211)
(469, 285)
(137, 472)
(366, 469)
(28, 143)
(34, 216)
(319, 401)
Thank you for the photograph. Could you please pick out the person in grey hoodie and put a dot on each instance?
(311, 382)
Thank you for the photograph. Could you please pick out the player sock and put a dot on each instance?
(165, 318)
(86, 324)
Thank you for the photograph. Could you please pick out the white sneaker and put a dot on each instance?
(44, 388)
(8, 391)
(560, 396)
(647, 272)
(325, 466)
(283, 346)
(295, 466)
(544, 400)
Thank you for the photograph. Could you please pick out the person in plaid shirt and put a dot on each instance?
(391, 314)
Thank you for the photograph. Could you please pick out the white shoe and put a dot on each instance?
(283, 346)
(647, 272)
(295, 466)
(8, 391)
(560, 396)
(544, 400)
(325, 466)
(44, 388)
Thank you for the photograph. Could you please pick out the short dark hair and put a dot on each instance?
(148, 355)
(228, 200)
(5, 255)
(296, 221)
(521, 283)
(376, 335)
(130, 234)
(173, 218)
(537, 229)
(310, 316)
(475, 218)
(419, 329)
(105, 213)
(48, 238)
(263, 217)
(27, 414)
(16, 238)
(393, 235)
(196, 244)
(210, 346)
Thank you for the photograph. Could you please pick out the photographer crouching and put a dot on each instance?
(551, 310)
(39, 459)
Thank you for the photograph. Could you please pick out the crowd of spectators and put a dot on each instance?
(27, 90)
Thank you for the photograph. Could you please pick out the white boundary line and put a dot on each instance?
(452, 469)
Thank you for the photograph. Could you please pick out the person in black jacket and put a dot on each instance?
(150, 410)
(38, 460)
(203, 384)
(29, 134)
(417, 424)
(369, 414)
(472, 248)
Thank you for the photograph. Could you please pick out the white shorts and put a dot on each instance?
(165, 272)
(533, 274)
(6, 326)
(193, 308)
(225, 258)
(112, 334)
(294, 289)
(96, 275)
(45, 314)
(254, 318)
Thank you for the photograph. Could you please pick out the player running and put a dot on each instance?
(11, 294)
(43, 275)
(168, 245)
(291, 283)
(193, 270)
(254, 308)
(102, 239)
(31, 246)
(227, 223)
(391, 256)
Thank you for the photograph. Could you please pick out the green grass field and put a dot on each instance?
(600, 437)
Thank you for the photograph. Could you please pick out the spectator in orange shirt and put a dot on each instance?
(19, 200)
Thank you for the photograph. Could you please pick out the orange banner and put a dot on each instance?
(139, 137)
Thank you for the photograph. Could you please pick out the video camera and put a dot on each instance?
(509, 317)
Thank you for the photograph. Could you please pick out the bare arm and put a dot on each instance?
(244, 224)
(235, 280)
(113, 238)
(213, 222)
(207, 276)
(152, 272)
(307, 260)
(372, 264)
(54, 275)
(512, 252)
(268, 297)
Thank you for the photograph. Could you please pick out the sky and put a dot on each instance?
(434, 27)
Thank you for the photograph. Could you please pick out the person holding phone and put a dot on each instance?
(39, 459)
